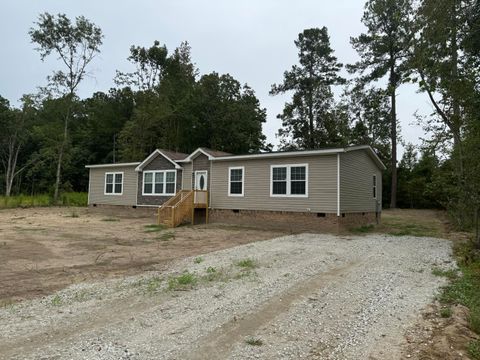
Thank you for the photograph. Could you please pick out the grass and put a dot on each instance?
(57, 300)
(43, 200)
(198, 260)
(74, 214)
(363, 229)
(410, 223)
(182, 282)
(450, 273)
(474, 349)
(446, 312)
(254, 341)
(246, 264)
(153, 284)
(465, 289)
(110, 219)
(154, 228)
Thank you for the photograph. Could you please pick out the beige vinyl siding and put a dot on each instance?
(322, 188)
(97, 186)
(187, 176)
(356, 182)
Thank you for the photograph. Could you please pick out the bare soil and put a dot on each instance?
(46, 249)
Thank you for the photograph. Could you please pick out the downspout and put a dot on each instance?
(338, 184)
(89, 181)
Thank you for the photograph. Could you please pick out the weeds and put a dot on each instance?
(450, 274)
(183, 282)
(73, 214)
(154, 228)
(254, 341)
(246, 264)
(42, 200)
(198, 260)
(153, 284)
(57, 300)
(446, 312)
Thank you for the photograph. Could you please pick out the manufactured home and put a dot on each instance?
(313, 189)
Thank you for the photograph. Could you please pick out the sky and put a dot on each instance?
(251, 40)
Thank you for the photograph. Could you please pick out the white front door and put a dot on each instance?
(201, 183)
(201, 180)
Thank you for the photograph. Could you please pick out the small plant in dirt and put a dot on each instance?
(154, 228)
(110, 219)
(474, 349)
(215, 275)
(450, 274)
(56, 300)
(166, 236)
(254, 341)
(73, 214)
(183, 282)
(153, 284)
(446, 312)
(198, 260)
(246, 264)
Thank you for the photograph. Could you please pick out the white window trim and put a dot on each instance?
(288, 194)
(113, 193)
(230, 182)
(153, 172)
(375, 186)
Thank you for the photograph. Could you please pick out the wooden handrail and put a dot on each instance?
(181, 207)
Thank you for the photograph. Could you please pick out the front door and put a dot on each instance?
(201, 178)
(201, 183)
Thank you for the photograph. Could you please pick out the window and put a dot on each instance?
(289, 180)
(114, 183)
(159, 182)
(374, 186)
(235, 181)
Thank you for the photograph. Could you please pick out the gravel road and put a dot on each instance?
(296, 297)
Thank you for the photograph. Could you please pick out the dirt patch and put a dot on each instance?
(434, 337)
(46, 249)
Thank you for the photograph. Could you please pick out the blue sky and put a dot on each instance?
(251, 40)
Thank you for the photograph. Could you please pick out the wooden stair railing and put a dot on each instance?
(177, 209)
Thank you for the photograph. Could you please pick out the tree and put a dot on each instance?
(76, 45)
(227, 116)
(150, 66)
(384, 50)
(305, 118)
(369, 113)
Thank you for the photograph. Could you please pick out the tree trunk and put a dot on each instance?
(61, 152)
(393, 135)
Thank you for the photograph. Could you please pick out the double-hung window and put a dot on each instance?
(236, 176)
(113, 183)
(289, 180)
(159, 182)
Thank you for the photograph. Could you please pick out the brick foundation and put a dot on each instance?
(292, 221)
(124, 210)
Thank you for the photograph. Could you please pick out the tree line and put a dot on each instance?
(164, 102)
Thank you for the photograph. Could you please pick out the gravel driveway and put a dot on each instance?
(295, 297)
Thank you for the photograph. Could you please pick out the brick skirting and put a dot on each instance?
(292, 221)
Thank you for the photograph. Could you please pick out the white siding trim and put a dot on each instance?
(89, 181)
(288, 194)
(243, 180)
(111, 165)
(338, 184)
